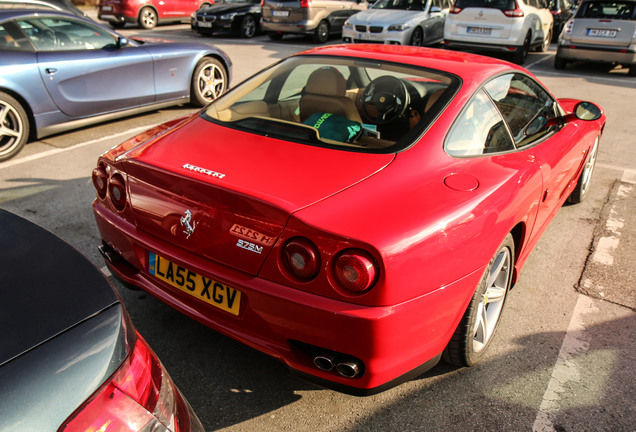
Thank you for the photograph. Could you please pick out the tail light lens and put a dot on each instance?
(139, 396)
(301, 258)
(356, 270)
(455, 10)
(305, 3)
(100, 180)
(514, 13)
(117, 190)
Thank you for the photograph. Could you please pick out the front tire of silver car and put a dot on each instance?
(477, 327)
(147, 18)
(14, 127)
(321, 34)
(209, 81)
(248, 26)
(417, 38)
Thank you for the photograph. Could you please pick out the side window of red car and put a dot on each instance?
(479, 130)
(521, 100)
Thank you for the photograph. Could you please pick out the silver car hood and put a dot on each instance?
(385, 17)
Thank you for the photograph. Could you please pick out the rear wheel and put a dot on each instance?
(559, 62)
(275, 36)
(117, 24)
(522, 51)
(545, 45)
(209, 81)
(417, 38)
(14, 127)
(147, 18)
(476, 329)
(248, 26)
(583, 185)
(321, 34)
(632, 70)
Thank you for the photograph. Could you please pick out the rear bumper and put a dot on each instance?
(300, 27)
(573, 52)
(392, 343)
(476, 46)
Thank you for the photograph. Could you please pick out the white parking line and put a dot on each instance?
(575, 345)
(129, 133)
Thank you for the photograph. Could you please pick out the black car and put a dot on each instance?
(562, 11)
(240, 17)
(70, 358)
(57, 5)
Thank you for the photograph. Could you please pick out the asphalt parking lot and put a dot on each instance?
(563, 359)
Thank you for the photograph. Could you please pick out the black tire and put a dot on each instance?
(147, 18)
(321, 34)
(117, 24)
(248, 26)
(417, 37)
(275, 36)
(209, 81)
(545, 45)
(14, 127)
(477, 327)
(522, 52)
(583, 184)
(559, 62)
(632, 71)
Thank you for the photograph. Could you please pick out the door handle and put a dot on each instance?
(50, 70)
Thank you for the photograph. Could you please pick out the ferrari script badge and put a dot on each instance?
(185, 222)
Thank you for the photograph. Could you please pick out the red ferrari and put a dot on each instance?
(355, 211)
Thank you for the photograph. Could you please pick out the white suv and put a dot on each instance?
(514, 26)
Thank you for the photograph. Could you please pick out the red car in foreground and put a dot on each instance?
(355, 211)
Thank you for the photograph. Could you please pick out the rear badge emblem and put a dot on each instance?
(185, 222)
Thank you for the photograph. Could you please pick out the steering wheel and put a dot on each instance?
(385, 99)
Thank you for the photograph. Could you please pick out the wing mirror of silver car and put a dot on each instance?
(122, 42)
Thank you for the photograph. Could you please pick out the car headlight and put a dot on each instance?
(228, 16)
(399, 27)
(347, 25)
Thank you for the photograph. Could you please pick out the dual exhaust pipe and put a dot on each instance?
(349, 368)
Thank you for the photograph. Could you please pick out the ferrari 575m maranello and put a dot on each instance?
(358, 212)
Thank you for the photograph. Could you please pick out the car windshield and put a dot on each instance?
(608, 10)
(337, 102)
(399, 4)
(493, 4)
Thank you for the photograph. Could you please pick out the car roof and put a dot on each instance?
(47, 286)
(47, 5)
(464, 65)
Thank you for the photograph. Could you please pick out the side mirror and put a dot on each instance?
(587, 111)
(122, 42)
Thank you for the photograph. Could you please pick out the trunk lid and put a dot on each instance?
(227, 194)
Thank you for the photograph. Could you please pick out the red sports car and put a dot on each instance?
(355, 211)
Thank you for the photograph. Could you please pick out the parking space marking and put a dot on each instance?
(575, 344)
(130, 133)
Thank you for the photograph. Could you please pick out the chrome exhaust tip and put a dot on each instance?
(324, 362)
(348, 369)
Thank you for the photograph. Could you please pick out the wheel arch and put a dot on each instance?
(27, 108)
(149, 5)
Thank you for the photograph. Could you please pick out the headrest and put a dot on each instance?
(327, 82)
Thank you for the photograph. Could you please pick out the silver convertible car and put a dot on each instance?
(59, 72)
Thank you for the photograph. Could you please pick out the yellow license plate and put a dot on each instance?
(207, 290)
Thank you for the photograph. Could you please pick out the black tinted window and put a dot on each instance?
(607, 10)
(494, 4)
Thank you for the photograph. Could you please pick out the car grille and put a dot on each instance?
(371, 29)
(206, 18)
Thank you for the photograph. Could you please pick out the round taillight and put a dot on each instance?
(100, 181)
(356, 270)
(117, 190)
(301, 258)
